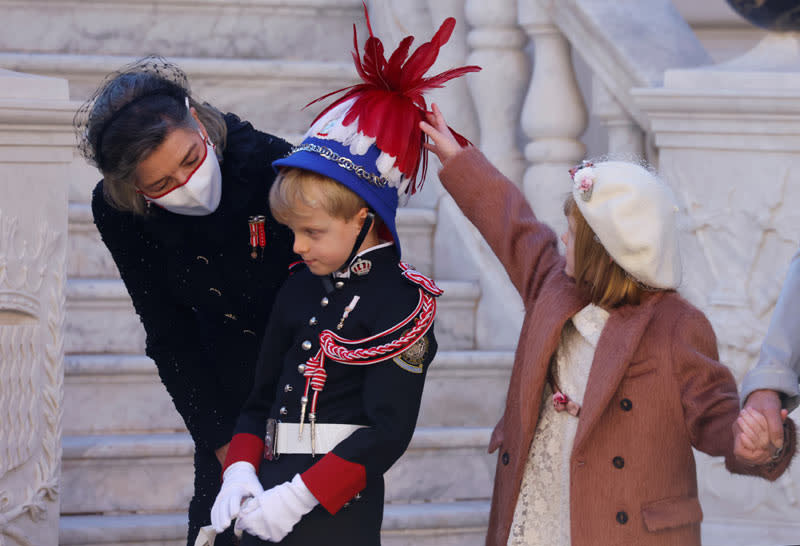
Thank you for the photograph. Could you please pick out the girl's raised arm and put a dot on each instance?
(527, 248)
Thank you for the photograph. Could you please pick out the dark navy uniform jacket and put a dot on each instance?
(384, 396)
(203, 300)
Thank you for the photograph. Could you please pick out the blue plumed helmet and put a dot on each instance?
(369, 139)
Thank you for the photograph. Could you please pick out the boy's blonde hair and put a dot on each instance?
(595, 270)
(293, 186)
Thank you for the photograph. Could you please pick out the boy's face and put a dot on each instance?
(323, 241)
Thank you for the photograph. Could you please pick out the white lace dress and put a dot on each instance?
(541, 516)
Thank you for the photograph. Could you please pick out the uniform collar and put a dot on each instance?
(374, 253)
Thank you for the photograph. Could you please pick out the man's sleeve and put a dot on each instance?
(779, 362)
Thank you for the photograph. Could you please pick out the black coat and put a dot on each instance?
(384, 396)
(203, 300)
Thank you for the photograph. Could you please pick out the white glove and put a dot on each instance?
(238, 483)
(273, 513)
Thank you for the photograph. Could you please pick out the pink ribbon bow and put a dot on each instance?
(561, 402)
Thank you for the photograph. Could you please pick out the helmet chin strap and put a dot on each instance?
(359, 240)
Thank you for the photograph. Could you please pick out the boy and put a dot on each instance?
(341, 371)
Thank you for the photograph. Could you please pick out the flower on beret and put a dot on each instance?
(583, 177)
(584, 182)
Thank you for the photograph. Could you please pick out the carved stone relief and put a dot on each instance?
(740, 233)
(31, 377)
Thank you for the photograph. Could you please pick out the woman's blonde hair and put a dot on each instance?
(607, 284)
(298, 186)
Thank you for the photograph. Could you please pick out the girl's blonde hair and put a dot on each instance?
(298, 186)
(608, 285)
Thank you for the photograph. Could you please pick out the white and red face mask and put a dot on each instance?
(200, 194)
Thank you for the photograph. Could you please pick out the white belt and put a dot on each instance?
(327, 436)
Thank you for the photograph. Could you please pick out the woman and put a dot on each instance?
(183, 209)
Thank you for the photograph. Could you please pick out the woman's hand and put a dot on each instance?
(442, 142)
(222, 452)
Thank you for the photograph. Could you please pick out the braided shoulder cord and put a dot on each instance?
(369, 355)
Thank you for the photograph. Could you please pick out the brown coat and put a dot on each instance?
(655, 390)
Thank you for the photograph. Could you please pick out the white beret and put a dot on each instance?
(633, 214)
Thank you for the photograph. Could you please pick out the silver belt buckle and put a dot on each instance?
(271, 440)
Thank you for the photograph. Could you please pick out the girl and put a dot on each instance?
(616, 376)
(182, 208)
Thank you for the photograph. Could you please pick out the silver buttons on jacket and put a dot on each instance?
(288, 388)
(283, 411)
(306, 345)
(324, 302)
(313, 321)
(339, 284)
(301, 368)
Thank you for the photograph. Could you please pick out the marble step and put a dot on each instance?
(153, 473)
(257, 29)
(116, 394)
(122, 394)
(88, 257)
(100, 317)
(466, 388)
(268, 91)
(445, 524)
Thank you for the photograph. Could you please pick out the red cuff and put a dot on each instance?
(335, 481)
(245, 447)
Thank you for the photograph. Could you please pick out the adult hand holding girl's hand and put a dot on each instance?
(754, 442)
(442, 142)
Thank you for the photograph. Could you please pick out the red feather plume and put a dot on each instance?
(389, 103)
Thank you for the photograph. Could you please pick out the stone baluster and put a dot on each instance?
(554, 115)
(455, 98)
(497, 44)
(626, 140)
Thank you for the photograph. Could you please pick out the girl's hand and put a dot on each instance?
(497, 437)
(751, 442)
(442, 142)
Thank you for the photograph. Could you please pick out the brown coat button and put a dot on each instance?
(505, 458)
(618, 462)
(626, 404)
(622, 517)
